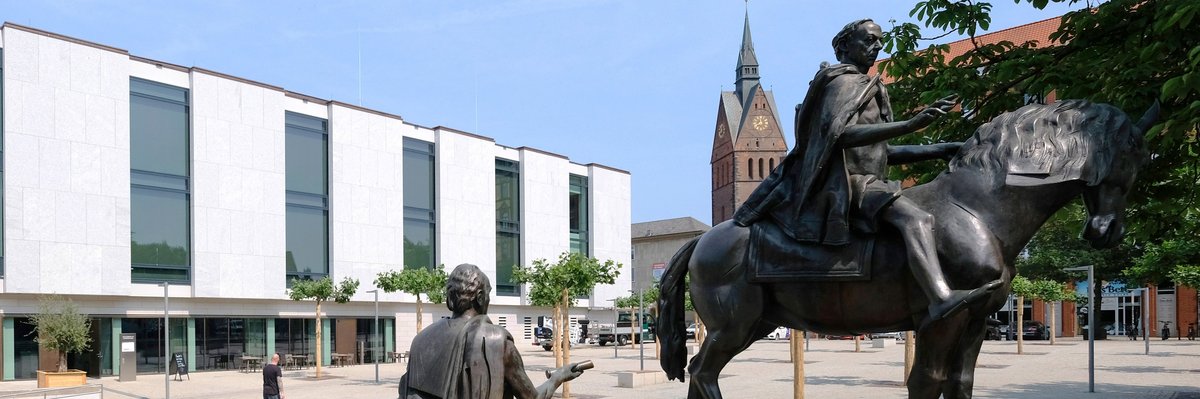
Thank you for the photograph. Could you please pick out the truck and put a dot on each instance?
(624, 330)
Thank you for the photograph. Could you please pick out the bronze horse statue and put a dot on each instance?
(1004, 183)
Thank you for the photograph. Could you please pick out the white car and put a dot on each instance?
(896, 335)
(779, 333)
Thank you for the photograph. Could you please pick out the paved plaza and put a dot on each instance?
(1170, 371)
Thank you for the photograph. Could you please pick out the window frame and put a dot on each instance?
(301, 124)
(164, 182)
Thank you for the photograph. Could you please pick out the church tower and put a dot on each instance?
(747, 141)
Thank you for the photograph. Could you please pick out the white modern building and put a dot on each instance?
(120, 173)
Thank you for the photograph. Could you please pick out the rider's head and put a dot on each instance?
(858, 43)
(468, 288)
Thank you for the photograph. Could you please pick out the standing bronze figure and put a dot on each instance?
(468, 357)
(943, 249)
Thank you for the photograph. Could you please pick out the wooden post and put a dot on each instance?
(1020, 333)
(797, 342)
(910, 346)
(566, 342)
(556, 337)
(857, 345)
(1051, 318)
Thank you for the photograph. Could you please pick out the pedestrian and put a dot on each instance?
(273, 379)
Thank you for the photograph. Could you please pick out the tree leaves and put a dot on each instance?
(323, 290)
(61, 327)
(415, 281)
(574, 272)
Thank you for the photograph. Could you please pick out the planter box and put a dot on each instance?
(54, 379)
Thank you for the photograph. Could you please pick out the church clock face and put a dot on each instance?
(721, 130)
(761, 122)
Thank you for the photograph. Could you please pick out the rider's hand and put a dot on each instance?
(568, 372)
(933, 111)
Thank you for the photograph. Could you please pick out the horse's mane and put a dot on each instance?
(1041, 144)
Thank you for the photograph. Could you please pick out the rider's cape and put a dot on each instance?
(457, 359)
(808, 195)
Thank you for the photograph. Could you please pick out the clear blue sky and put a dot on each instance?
(631, 84)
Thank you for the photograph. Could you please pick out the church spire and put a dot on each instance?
(747, 68)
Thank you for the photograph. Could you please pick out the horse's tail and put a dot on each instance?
(671, 332)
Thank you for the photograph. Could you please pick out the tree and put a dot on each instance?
(1021, 287)
(1051, 291)
(416, 281)
(558, 285)
(1125, 52)
(60, 327)
(320, 291)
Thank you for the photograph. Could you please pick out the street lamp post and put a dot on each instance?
(641, 335)
(614, 326)
(1091, 324)
(166, 340)
(377, 343)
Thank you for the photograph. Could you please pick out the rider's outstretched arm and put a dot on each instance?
(902, 154)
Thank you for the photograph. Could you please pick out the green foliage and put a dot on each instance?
(1124, 52)
(576, 273)
(415, 281)
(1188, 275)
(323, 290)
(61, 327)
(648, 298)
(1045, 290)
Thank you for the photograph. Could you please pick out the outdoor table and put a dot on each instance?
(251, 363)
(398, 357)
(296, 361)
(340, 358)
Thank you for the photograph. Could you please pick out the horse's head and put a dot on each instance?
(1105, 200)
(1074, 142)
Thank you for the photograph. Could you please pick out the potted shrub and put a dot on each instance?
(60, 327)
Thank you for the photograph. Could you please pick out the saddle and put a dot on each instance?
(773, 257)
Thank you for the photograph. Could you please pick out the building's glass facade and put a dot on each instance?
(420, 246)
(578, 202)
(149, 341)
(159, 156)
(508, 225)
(307, 184)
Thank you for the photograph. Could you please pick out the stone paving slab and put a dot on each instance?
(834, 370)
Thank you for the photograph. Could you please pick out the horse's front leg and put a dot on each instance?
(931, 366)
(961, 379)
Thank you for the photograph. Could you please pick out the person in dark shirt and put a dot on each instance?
(273, 379)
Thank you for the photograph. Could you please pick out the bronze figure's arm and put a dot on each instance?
(902, 154)
(518, 382)
(864, 134)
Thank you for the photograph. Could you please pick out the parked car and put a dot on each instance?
(779, 333)
(1032, 330)
(691, 331)
(896, 335)
(993, 329)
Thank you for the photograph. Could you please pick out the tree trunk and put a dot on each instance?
(62, 361)
(797, 339)
(857, 344)
(318, 354)
(1020, 333)
(420, 316)
(566, 340)
(556, 336)
(910, 352)
(1050, 317)
(700, 331)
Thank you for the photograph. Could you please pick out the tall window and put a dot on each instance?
(419, 210)
(160, 189)
(508, 225)
(579, 214)
(307, 184)
(1, 162)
